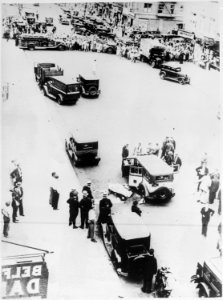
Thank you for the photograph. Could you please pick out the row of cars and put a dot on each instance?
(64, 89)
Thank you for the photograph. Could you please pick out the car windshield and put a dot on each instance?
(72, 88)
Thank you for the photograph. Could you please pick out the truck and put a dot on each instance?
(43, 71)
(152, 52)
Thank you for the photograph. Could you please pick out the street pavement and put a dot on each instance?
(134, 105)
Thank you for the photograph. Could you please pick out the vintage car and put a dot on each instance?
(155, 58)
(89, 85)
(126, 240)
(39, 42)
(150, 176)
(82, 152)
(43, 71)
(173, 72)
(63, 89)
(208, 278)
(64, 21)
(49, 21)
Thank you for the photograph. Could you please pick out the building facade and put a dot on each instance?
(154, 16)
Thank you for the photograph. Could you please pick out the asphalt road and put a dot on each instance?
(134, 105)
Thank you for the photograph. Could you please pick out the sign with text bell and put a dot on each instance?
(24, 280)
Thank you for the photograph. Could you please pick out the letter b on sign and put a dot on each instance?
(37, 270)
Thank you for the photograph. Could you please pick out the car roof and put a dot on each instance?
(89, 76)
(215, 264)
(155, 165)
(172, 65)
(65, 79)
(130, 226)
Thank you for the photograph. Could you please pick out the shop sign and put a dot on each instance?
(186, 34)
(24, 280)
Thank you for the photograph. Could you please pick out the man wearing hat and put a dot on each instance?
(92, 222)
(85, 206)
(87, 188)
(74, 208)
(202, 170)
(54, 197)
(105, 205)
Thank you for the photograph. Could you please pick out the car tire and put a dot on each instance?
(60, 99)
(61, 47)
(202, 293)
(181, 81)
(109, 51)
(92, 91)
(162, 75)
(163, 194)
(31, 47)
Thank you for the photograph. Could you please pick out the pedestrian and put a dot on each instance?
(6, 218)
(135, 208)
(19, 193)
(202, 170)
(215, 183)
(91, 223)
(87, 188)
(105, 206)
(54, 197)
(219, 242)
(125, 151)
(138, 149)
(149, 270)
(15, 204)
(74, 208)
(204, 189)
(219, 199)
(206, 213)
(85, 205)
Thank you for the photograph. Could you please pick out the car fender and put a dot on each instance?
(203, 285)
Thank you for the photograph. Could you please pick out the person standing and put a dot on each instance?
(74, 208)
(54, 196)
(149, 270)
(215, 183)
(6, 218)
(105, 206)
(85, 205)
(87, 188)
(125, 151)
(15, 204)
(135, 208)
(204, 189)
(206, 214)
(19, 193)
(202, 170)
(91, 223)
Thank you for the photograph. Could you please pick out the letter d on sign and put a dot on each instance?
(33, 286)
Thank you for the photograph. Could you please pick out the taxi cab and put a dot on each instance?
(150, 176)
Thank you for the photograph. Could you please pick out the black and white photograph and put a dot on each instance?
(110, 150)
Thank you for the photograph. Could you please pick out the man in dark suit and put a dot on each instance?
(87, 188)
(125, 151)
(74, 208)
(104, 209)
(206, 214)
(202, 170)
(85, 205)
(149, 270)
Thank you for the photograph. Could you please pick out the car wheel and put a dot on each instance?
(163, 194)
(44, 45)
(60, 99)
(61, 47)
(31, 47)
(181, 81)
(202, 293)
(109, 51)
(153, 64)
(162, 75)
(92, 91)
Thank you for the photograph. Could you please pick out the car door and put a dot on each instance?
(135, 176)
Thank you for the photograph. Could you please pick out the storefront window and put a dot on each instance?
(160, 8)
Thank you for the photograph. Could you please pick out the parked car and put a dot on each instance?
(39, 42)
(126, 244)
(82, 152)
(43, 71)
(64, 22)
(89, 85)
(150, 176)
(208, 278)
(62, 89)
(173, 72)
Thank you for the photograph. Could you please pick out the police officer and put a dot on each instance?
(74, 208)
(87, 188)
(104, 209)
(85, 205)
